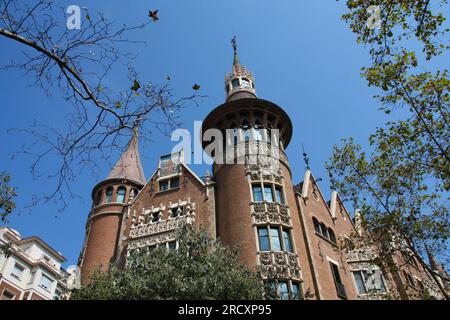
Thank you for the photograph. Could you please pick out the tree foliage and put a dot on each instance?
(7, 195)
(402, 181)
(200, 268)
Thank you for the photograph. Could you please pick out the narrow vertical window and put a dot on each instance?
(340, 289)
(359, 280)
(257, 193)
(287, 241)
(331, 234)
(121, 194)
(283, 291)
(270, 288)
(164, 185)
(324, 230)
(109, 194)
(279, 195)
(98, 198)
(275, 239)
(295, 291)
(174, 183)
(317, 226)
(268, 196)
(263, 236)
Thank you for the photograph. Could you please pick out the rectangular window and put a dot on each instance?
(172, 245)
(340, 289)
(270, 288)
(287, 241)
(360, 283)
(263, 236)
(283, 291)
(268, 196)
(257, 193)
(275, 239)
(164, 185)
(279, 194)
(174, 183)
(17, 271)
(6, 295)
(295, 291)
(369, 283)
(46, 282)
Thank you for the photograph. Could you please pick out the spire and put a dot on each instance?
(129, 165)
(236, 63)
(240, 82)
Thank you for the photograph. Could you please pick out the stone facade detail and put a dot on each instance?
(145, 233)
(271, 213)
(279, 265)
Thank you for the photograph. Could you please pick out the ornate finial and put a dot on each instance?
(234, 44)
(305, 158)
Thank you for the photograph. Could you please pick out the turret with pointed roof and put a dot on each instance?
(129, 166)
(110, 199)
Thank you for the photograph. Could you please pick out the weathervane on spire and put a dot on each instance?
(234, 44)
(137, 125)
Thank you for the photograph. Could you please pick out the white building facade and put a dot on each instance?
(30, 269)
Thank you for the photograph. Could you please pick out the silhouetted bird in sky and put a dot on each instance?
(153, 15)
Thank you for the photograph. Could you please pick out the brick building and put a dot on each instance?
(289, 229)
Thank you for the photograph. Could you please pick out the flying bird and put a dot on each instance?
(196, 87)
(153, 15)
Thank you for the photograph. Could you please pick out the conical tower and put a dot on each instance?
(109, 197)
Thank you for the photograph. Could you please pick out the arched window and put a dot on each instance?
(109, 193)
(317, 226)
(121, 194)
(245, 83)
(98, 198)
(246, 130)
(235, 83)
(332, 236)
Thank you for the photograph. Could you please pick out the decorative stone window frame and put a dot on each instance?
(279, 265)
(367, 296)
(147, 234)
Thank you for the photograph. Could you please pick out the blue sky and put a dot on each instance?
(303, 56)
